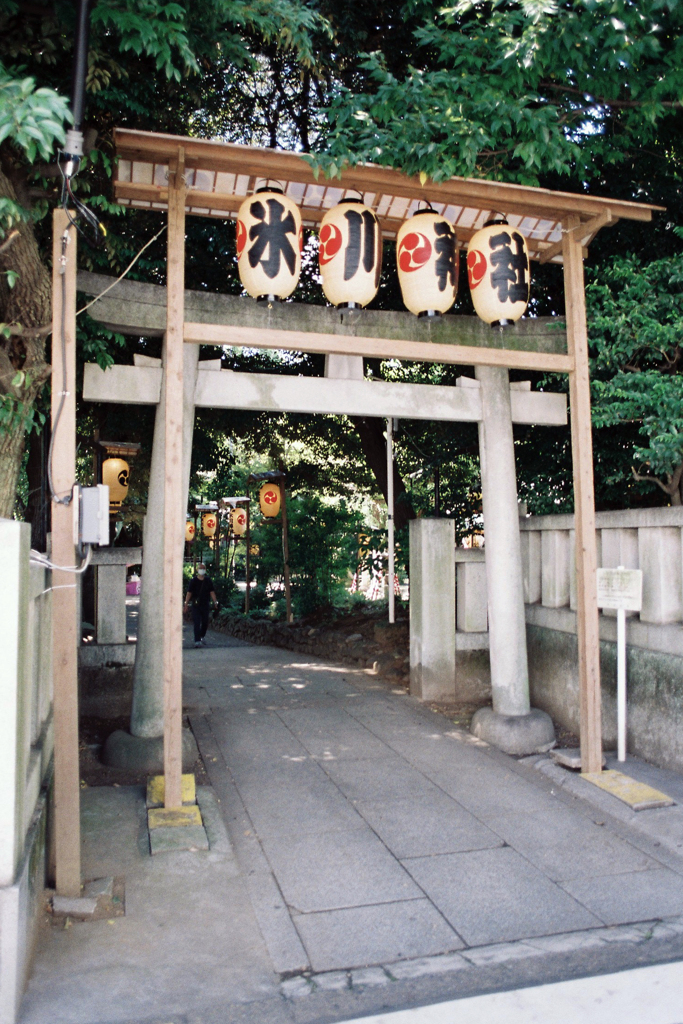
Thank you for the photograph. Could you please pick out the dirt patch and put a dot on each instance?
(93, 733)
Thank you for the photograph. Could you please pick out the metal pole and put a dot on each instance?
(621, 683)
(285, 548)
(246, 593)
(390, 514)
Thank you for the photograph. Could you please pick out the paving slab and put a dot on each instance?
(333, 734)
(375, 934)
(329, 871)
(639, 896)
(565, 846)
(496, 895)
(295, 798)
(390, 778)
(419, 829)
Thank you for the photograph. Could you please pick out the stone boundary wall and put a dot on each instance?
(26, 744)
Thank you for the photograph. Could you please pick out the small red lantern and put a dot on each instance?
(238, 522)
(190, 531)
(209, 524)
(269, 500)
(498, 273)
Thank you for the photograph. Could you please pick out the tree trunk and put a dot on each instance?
(371, 433)
(23, 370)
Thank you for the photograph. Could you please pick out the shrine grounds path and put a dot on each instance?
(366, 855)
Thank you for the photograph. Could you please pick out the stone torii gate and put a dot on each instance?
(184, 176)
(135, 308)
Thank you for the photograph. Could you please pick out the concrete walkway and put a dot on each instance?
(375, 856)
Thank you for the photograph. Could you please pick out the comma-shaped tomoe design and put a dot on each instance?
(209, 524)
(269, 243)
(498, 273)
(269, 500)
(427, 259)
(350, 255)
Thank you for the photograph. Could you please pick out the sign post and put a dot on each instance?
(621, 589)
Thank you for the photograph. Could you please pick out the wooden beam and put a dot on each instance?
(173, 471)
(64, 584)
(379, 348)
(583, 234)
(588, 632)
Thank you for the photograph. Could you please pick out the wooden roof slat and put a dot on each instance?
(222, 156)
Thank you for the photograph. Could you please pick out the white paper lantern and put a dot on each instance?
(269, 243)
(427, 259)
(350, 255)
(498, 273)
(116, 475)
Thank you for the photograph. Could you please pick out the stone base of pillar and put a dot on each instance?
(515, 734)
(143, 753)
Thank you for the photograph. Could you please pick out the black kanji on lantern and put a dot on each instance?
(272, 232)
(444, 247)
(362, 228)
(509, 274)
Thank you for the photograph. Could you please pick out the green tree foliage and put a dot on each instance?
(515, 90)
(636, 317)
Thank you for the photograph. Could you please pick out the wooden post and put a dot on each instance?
(64, 595)
(584, 504)
(285, 547)
(173, 472)
(246, 593)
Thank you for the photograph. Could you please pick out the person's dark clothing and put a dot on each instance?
(200, 595)
(200, 620)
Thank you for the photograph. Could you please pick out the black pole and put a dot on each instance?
(437, 496)
(80, 67)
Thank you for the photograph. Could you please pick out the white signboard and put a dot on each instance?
(620, 588)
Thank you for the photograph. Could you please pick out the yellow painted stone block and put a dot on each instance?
(165, 817)
(637, 795)
(156, 790)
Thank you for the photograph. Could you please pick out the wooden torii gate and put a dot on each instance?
(185, 176)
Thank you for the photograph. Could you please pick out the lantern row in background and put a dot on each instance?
(269, 500)
(270, 239)
(116, 475)
(498, 273)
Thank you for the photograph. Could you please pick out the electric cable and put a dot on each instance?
(121, 276)
(38, 558)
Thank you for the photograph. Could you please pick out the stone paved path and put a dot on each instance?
(371, 830)
(365, 855)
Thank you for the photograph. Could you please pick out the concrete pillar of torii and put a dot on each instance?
(143, 747)
(512, 725)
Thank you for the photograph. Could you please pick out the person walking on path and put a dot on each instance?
(200, 592)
